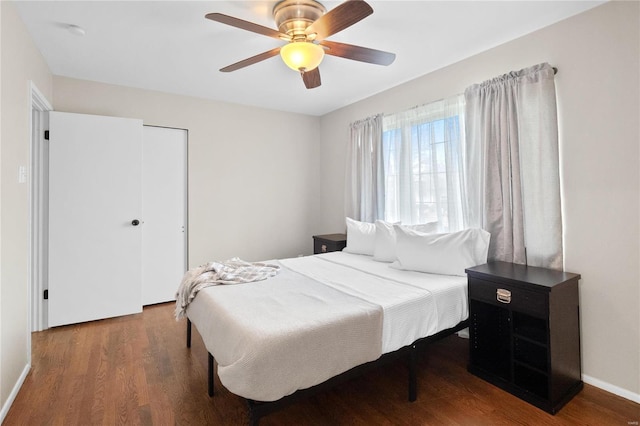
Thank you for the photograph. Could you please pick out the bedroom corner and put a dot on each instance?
(21, 63)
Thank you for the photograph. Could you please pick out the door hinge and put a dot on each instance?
(46, 135)
(46, 294)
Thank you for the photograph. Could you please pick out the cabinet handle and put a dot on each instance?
(503, 296)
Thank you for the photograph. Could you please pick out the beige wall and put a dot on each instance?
(3, 399)
(253, 174)
(21, 62)
(262, 182)
(597, 54)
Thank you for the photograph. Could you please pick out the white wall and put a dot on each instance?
(20, 62)
(253, 174)
(597, 54)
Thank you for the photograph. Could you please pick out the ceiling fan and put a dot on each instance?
(305, 25)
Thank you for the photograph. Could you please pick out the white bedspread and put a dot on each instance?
(448, 292)
(321, 316)
(232, 271)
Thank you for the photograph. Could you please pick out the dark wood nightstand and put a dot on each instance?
(524, 329)
(329, 242)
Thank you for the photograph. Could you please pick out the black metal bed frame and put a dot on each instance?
(258, 409)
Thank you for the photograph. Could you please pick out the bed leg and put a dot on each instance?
(413, 385)
(210, 374)
(254, 420)
(188, 333)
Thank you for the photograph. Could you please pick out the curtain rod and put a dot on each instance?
(555, 72)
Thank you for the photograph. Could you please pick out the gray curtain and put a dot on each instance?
(364, 189)
(513, 179)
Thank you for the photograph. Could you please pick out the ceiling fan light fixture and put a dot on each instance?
(302, 55)
(306, 24)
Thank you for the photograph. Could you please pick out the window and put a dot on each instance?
(423, 154)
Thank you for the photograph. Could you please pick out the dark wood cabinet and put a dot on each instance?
(524, 330)
(328, 243)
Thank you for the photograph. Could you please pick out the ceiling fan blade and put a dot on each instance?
(339, 18)
(252, 60)
(358, 53)
(246, 25)
(311, 78)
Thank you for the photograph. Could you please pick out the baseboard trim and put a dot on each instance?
(14, 393)
(624, 393)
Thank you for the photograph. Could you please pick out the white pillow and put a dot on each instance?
(446, 254)
(384, 249)
(360, 237)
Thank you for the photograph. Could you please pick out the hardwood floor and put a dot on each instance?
(136, 370)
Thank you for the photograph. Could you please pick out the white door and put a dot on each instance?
(95, 197)
(164, 184)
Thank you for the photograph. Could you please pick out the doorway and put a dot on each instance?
(38, 208)
(172, 180)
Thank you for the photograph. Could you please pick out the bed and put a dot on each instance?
(320, 320)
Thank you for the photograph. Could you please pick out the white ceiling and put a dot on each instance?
(169, 46)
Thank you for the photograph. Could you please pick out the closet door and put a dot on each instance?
(95, 208)
(164, 189)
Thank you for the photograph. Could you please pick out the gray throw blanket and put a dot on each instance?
(232, 271)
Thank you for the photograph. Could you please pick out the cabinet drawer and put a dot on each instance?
(517, 299)
(328, 243)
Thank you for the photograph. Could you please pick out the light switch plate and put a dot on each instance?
(22, 174)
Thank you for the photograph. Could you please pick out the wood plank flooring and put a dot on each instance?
(136, 370)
